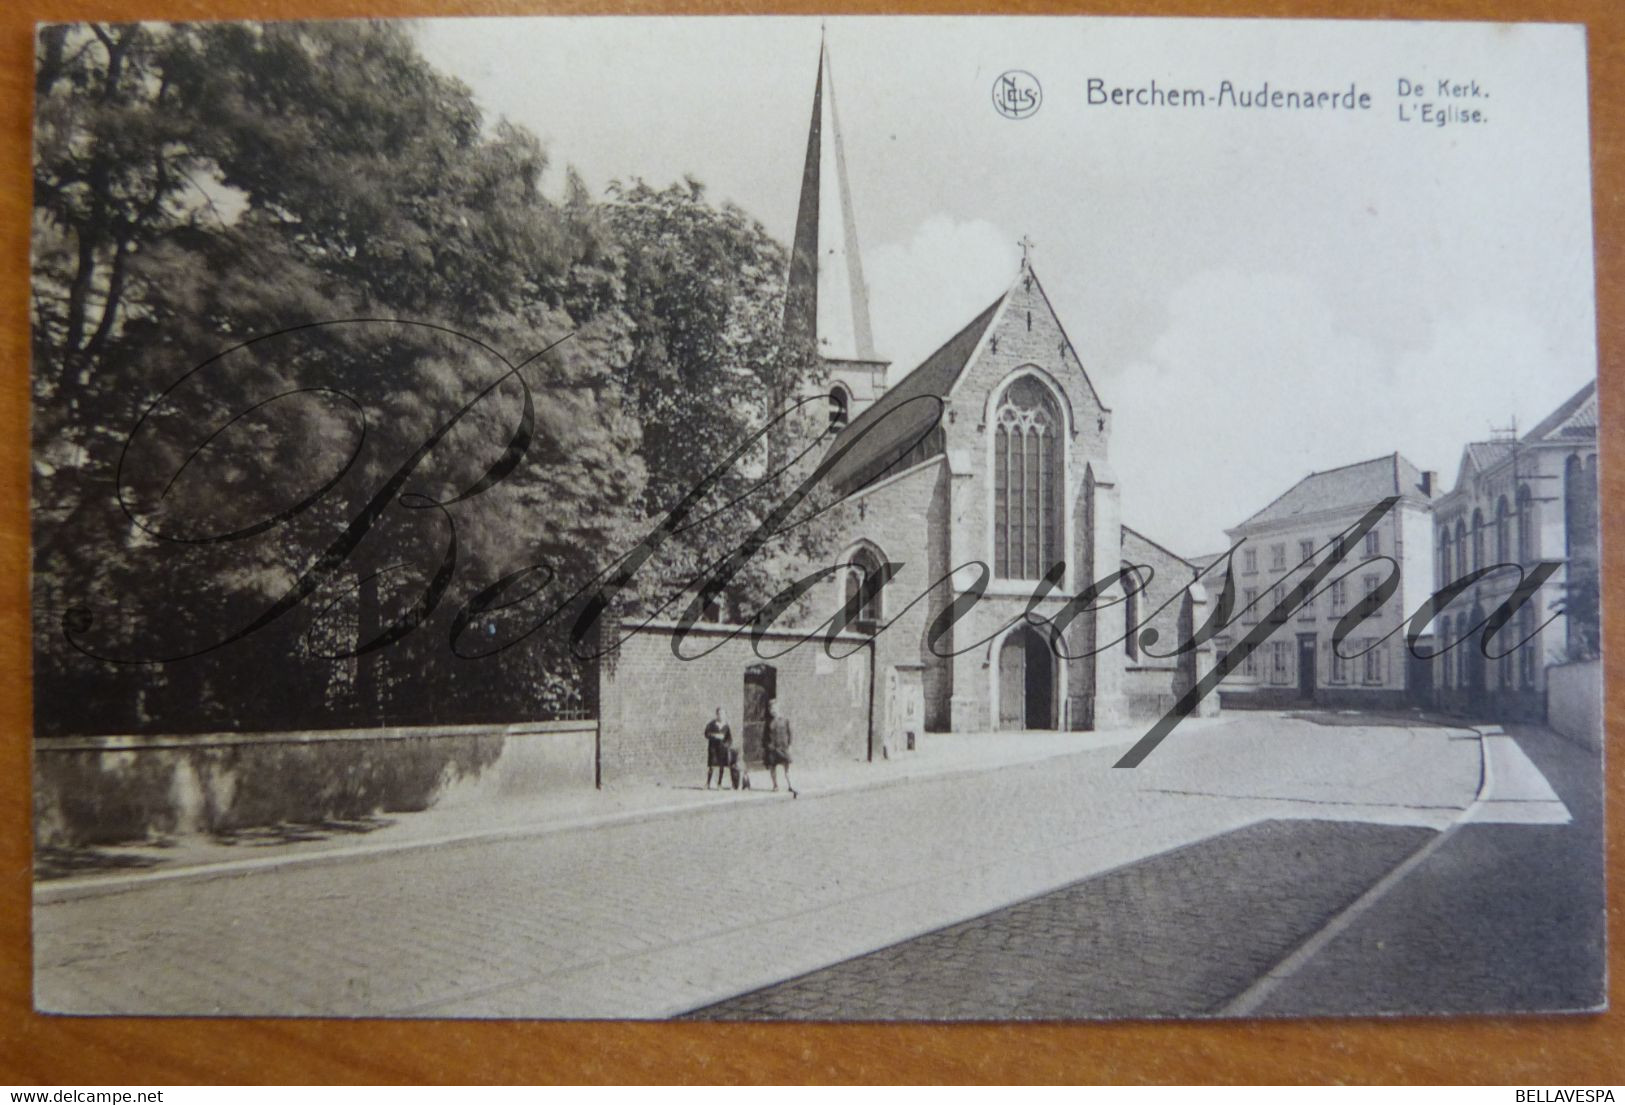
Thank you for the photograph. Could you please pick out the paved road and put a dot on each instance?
(665, 916)
(1501, 918)
(1180, 934)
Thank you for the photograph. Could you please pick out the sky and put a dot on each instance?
(1255, 293)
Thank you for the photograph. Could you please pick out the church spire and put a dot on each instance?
(826, 295)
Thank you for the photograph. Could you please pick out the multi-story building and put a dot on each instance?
(1519, 500)
(1277, 547)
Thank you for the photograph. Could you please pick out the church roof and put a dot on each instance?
(906, 421)
(1576, 417)
(1360, 484)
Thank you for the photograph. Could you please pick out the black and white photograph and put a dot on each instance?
(771, 518)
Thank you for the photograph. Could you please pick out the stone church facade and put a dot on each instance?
(994, 450)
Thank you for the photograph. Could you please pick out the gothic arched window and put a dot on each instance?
(1027, 474)
(1478, 539)
(1131, 612)
(1444, 555)
(865, 565)
(1462, 566)
(1526, 525)
(1503, 532)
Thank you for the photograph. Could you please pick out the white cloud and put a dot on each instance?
(1211, 424)
(1258, 380)
(924, 290)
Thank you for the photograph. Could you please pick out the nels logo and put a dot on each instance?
(1016, 94)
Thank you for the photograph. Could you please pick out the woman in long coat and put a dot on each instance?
(776, 746)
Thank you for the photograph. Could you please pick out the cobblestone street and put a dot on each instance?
(1176, 935)
(671, 914)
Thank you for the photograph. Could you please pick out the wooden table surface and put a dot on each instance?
(146, 1051)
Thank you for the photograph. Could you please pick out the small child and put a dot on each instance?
(737, 769)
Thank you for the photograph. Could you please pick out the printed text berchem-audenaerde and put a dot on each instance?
(1265, 95)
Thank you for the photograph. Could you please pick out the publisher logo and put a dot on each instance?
(1016, 94)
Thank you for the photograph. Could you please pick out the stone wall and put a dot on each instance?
(903, 520)
(653, 705)
(120, 789)
(1574, 702)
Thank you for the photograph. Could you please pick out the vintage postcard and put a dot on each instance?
(780, 518)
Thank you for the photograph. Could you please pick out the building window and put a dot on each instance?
(1461, 650)
(1250, 603)
(840, 407)
(1340, 595)
(1278, 669)
(1526, 525)
(1373, 545)
(1306, 551)
(1131, 618)
(865, 565)
(1462, 566)
(1340, 666)
(1278, 557)
(1527, 653)
(1373, 661)
(1027, 511)
(1444, 556)
(1277, 595)
(1503, 532)
(1249, 560)
(1478, 539)
(1249, 663)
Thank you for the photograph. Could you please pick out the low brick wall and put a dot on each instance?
(653, 706)
(1574, 704)
(109, 790)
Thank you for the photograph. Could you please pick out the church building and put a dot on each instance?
(990, 456)
(995, 451)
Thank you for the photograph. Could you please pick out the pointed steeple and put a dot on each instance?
(826, 295)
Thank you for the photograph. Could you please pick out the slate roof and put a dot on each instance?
(1486, 453)
(907, 421)
(1576, 417)
(1352, 485)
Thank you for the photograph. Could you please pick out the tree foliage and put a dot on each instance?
(316, 356)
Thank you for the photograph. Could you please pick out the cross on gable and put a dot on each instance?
(1026, 245)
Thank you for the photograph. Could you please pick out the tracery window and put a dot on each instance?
(1027, 473)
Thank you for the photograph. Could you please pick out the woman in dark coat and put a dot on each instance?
(776, 746)
(716, 748)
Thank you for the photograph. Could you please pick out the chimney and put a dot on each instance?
(1430, 483)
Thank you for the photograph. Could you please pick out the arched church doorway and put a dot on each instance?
(1027, 683)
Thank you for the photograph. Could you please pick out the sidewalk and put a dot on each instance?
(128, 867)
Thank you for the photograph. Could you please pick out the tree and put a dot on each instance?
(711, 366)
(202, 186)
